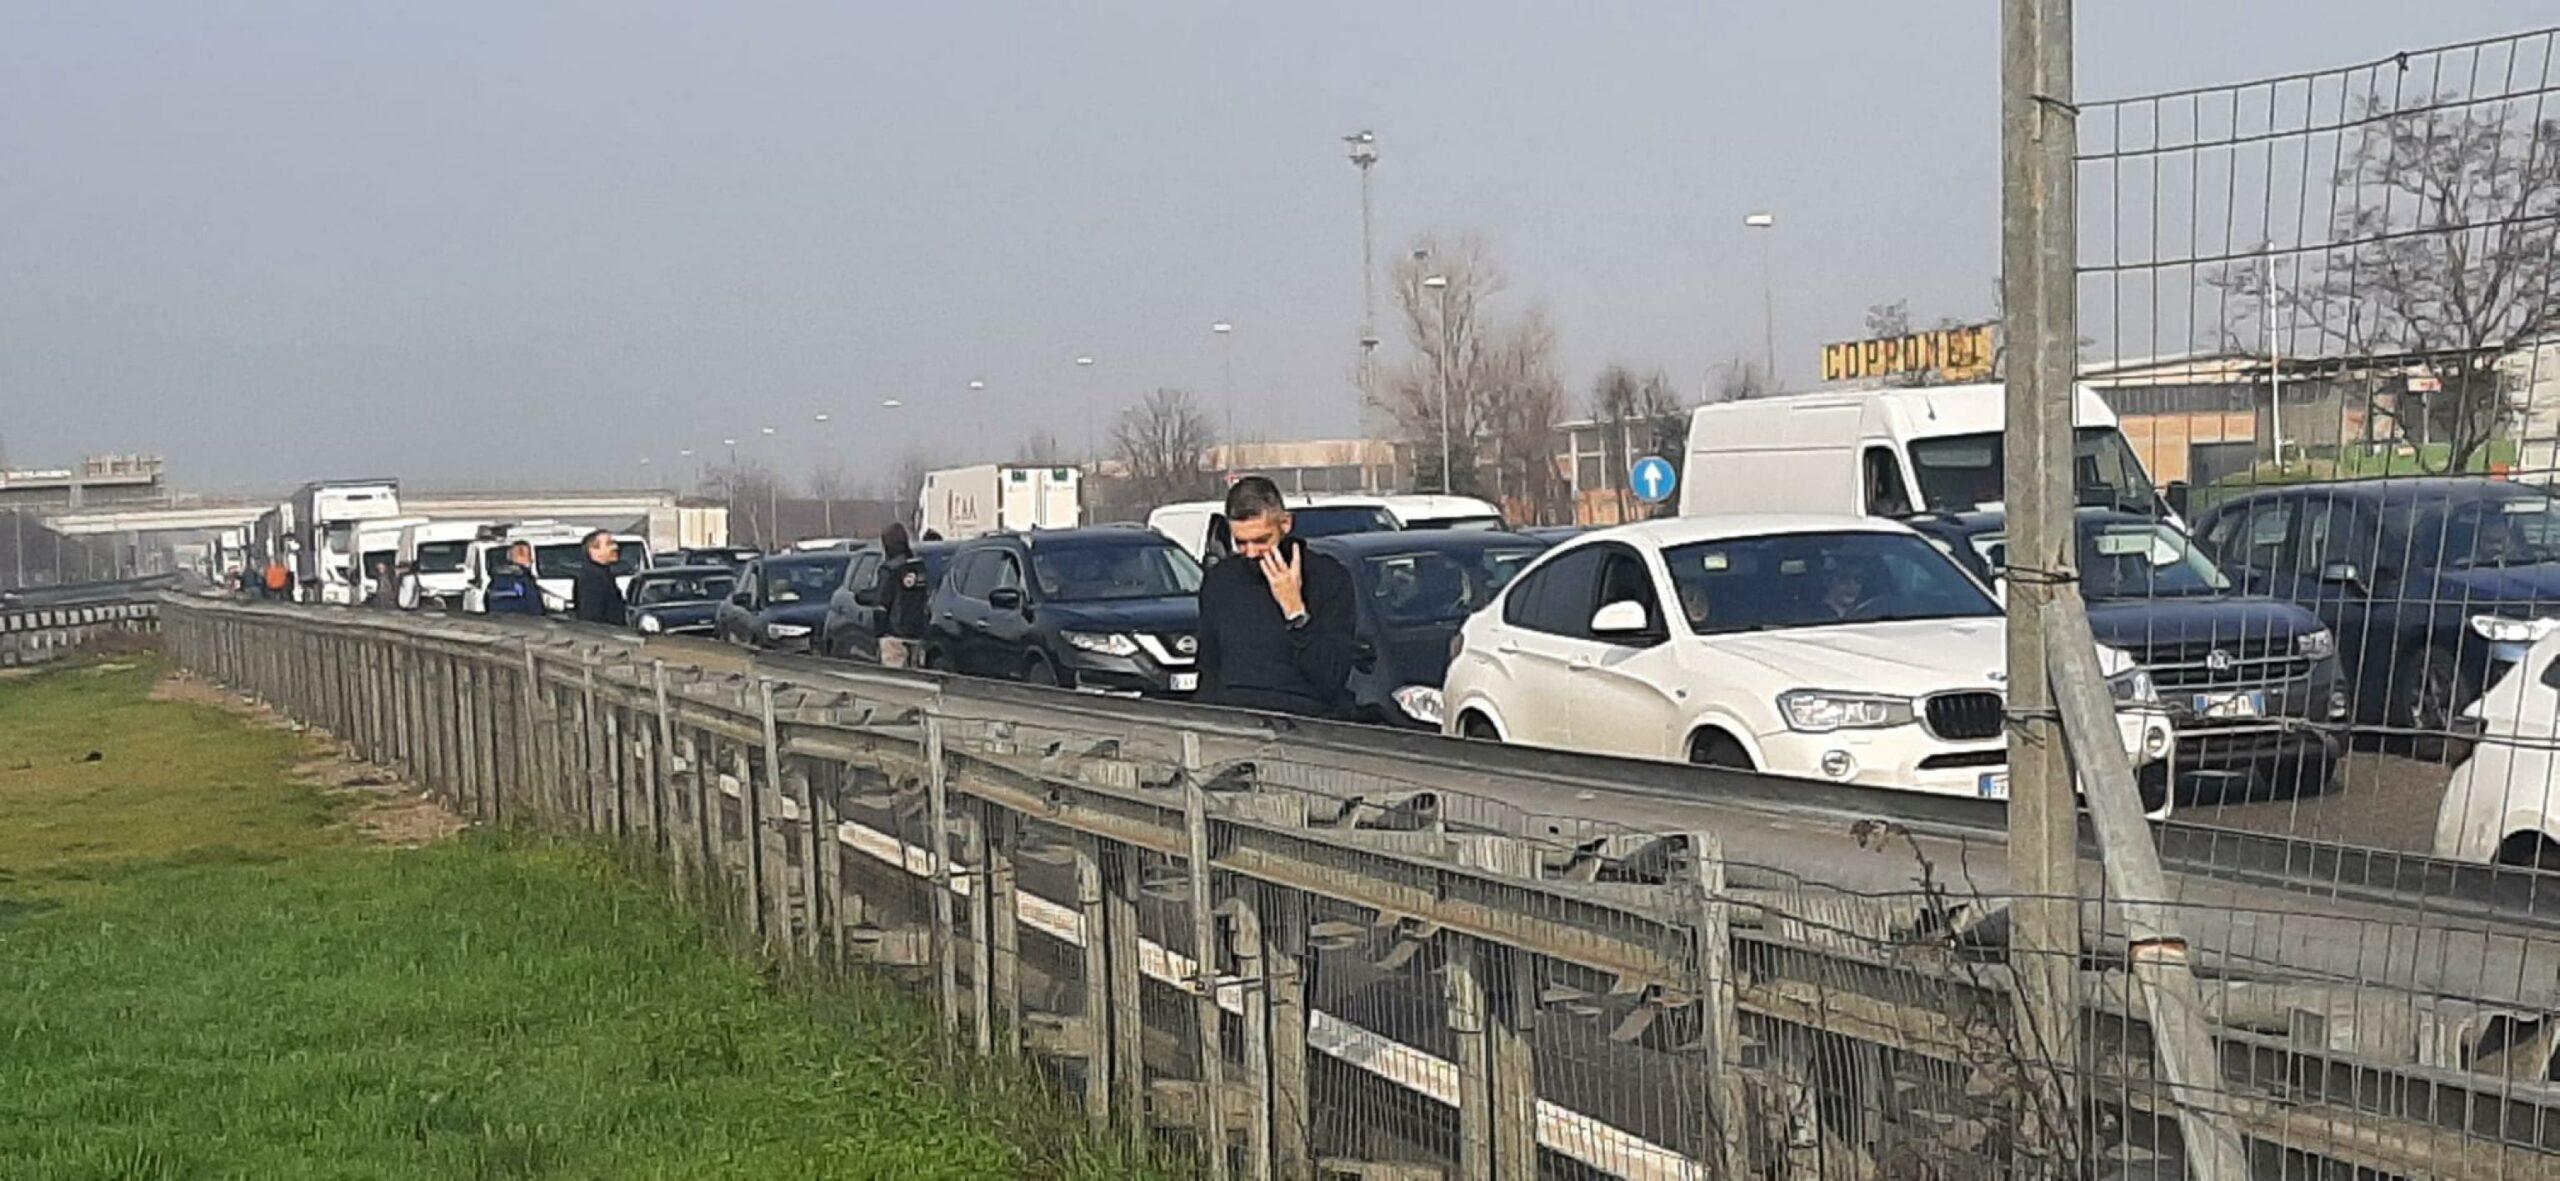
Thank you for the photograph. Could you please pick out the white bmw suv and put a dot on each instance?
(1838, 648)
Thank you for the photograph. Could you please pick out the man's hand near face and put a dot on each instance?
(1288, 587)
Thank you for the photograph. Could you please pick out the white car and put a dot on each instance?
(2499, 805)
(1829, 647)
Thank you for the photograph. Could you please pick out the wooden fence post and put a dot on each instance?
(1204, 956)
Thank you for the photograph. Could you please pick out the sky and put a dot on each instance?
(529, 245)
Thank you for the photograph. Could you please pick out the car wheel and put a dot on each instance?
(2432, 703)
(2530, 850)
(1478, 727)
(1715, 748)
(1038, 671)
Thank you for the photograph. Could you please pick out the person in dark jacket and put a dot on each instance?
(1277, 628)
(597, 597)
(903, 593)
(512, 590)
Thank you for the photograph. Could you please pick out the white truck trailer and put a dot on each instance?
(325, 514)
(965, 502)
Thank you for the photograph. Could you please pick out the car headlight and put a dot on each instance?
(1419, 702)
(787, 631)
(2498, 629)
(2319, 645)
(649, 623)
(1817, 711)
(1106, 643)
(2133, 685)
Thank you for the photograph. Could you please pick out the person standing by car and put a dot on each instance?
(386, 586)
(1277, 629)
(597, 597)
(904, 594)
(512, 590)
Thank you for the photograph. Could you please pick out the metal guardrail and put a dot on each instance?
(1298, 960)
(33, 632)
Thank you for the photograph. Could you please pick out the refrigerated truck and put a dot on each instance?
(965, 502)
(325, 516)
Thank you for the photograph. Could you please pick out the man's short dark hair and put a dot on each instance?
(592, 534)
(1254, 496)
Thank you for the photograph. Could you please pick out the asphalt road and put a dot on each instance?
(2378, 800)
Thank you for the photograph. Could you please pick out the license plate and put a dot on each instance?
(2220, 706)
(1186, 682)
(1994, 785)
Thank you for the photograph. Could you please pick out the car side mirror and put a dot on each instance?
(1364, 656)
(2176, 496)
(742, 599)
(2342, 573)
(1005, 598)
(1622, 620)
(868, 596)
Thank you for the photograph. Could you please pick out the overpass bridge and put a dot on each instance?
(1304, 947)
(658, 511)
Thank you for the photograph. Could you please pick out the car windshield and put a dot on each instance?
(1439, 586)
(561, 559)
(379, 557)
(2519, 532)
(1337, 520)
(2125, 560)
(1138, 570)
(796, 582)
(1466, 524)
(1962, 473)
(1819, 579)
(441, 557)
(660, 590)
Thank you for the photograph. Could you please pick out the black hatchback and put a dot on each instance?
(1415, 590)
(858, 611)
(1112, 609)
(678, 600)
(781, 601)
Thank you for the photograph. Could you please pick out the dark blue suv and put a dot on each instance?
(2252, 683)
(2434, 585)
(1115, 609)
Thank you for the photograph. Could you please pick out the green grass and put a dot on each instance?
(224, 983)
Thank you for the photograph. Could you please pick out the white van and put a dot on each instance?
(436, 550)
(1888, 453)
(377, 543)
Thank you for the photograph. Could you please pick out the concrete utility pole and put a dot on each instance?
(1767, 224)
(1226, 334)
(1364, 154)
(2061, 713)
(2039, 252)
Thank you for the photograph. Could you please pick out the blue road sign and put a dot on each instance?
(1654, 479)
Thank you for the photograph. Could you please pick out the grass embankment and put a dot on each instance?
(205, 972)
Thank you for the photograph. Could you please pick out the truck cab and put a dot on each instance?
(437, 550)
(1890, 453)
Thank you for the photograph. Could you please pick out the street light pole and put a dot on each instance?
(1364, 155)
(826, 496)
(1767, 223)
(1440, 283)
(1227, 333)
(773, 502)
(1092, 452)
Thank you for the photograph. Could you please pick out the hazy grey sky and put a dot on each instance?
(528, 244)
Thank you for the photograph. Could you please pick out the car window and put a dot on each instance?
(1138, 570)
(440, 557)
(1557, 598)
(1623, 579)
(681, 588)
(2258, 542)
(1336, 520)
(2491, 533)
(973, 575)
(862, 573)
(749, 578)
(1815, 579)
(802, 582)
(1886, 495)
(1008, 572)
(1438, 586)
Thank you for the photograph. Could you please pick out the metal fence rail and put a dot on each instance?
(1300, 966)
(33, 635)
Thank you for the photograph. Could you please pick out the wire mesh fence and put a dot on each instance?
(1288, 965)
(2324, 309)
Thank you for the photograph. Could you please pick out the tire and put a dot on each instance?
(2529, 850)
(1036, 670)
(1715, 748)
(2434, 693)
(1476, 726)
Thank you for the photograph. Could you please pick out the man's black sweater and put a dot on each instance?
(1249, 655)
(596, 596)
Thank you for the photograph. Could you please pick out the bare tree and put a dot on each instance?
(1162, 443)
(1496, 379)
(1736, 380)
(1040, 447)
(2444, 261)
(829, 479)
(752, 490)
(903, 485)
(1637, 416)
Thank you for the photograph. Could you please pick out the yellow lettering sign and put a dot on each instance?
(1951, 354)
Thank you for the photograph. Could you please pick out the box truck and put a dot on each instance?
(966, 502)
(325, 514)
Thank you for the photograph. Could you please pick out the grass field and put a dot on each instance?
(204, 972)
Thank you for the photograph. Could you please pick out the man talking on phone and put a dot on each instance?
(1276, 619)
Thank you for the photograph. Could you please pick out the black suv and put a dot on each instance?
(2435, 586)
(1114, 609)
(1414, 590)
(2251, 683)
(858, 611)
(781, 601)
